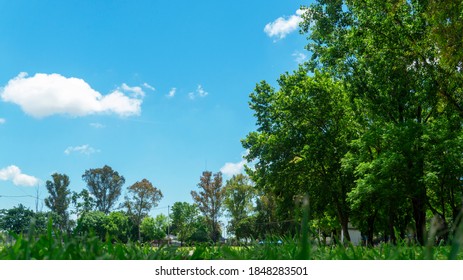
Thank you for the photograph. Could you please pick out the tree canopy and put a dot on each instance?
(105, 185)
(209, 200)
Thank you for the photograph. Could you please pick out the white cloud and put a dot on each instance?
(14, 174)
(299, 57)
(48, 94)
(2, 121)
(137, 91)
(148, 86)
(172, 92)
(230, 168)
(84, 149)
(97, 125)
(282, 26)
(200, 92)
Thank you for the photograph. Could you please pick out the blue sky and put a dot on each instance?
(154, 89)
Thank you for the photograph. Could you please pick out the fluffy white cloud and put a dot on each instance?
(283, 26)
(14, 174)
(84, 149)
(200, 92)
(172, 92)
(2, 121)
(230, 168)
(299, 57)
(48, 94)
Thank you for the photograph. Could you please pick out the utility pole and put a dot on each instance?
(168, 219)
(37, 198)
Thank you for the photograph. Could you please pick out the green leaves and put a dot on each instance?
(105, 185)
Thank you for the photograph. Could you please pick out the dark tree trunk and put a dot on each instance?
(419, 215)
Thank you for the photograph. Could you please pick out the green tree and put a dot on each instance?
(209, 200)
(266, 220)
(118, 226)
(93, 222)
(83, 202)
(304, 130)
(59, 198)
(389, 56)
(443, 169)
(105, 185)
(142, 197)
(202, 232)
(184, 217)
(17, 219)
(239, 195)
(154, 228)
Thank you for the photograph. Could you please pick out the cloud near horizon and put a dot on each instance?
(14, 174)
(282, 26)
(43, 95)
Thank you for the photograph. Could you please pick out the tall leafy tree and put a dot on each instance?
(266, 219)
(142, 196)
(401, 65)
(239, 195)
(184, 217)
(59, 198)
(105, 185)
(304, 129)
(210, 200)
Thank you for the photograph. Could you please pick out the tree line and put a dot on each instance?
(97, 211)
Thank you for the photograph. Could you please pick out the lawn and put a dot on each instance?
(91, 248)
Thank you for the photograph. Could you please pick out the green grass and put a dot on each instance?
(55, 246)
(91, 248)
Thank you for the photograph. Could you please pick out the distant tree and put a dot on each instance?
(154, 228)
(202, 231)
(142, 197)
(41, 220)
(105, 185)
(266, 219)
(118, 226)
(184, 217)
(83, 202)
(239, 195)
(58, 200)
(17, 219)
(210, 200)
(93, 222)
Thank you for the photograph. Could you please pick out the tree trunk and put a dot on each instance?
(419, 215)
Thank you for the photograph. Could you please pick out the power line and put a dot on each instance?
(1, 195)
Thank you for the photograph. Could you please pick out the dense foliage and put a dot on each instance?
(370, 128)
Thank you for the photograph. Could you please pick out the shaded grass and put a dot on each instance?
(56, 246)
(91, 248)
